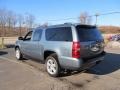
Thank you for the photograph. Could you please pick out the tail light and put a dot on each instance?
(76, 50)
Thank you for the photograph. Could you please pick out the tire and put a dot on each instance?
(52, 65)
(18, 54)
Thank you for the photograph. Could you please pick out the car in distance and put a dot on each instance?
(66, 46)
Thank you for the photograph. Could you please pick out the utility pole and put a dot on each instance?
(96, 16)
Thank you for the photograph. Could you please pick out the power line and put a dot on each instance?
(109, 13)
(95, 15)
(62, 19)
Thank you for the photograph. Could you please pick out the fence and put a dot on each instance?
(6, 41)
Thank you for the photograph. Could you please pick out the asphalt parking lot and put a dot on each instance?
(31, 75)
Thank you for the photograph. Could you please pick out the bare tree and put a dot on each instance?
(30, 19)
(10, 20)
(85, 18)
(14, 21)
(20, 23)
(3, 21)
(44, 25)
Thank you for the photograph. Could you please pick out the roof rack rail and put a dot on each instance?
(68, 23)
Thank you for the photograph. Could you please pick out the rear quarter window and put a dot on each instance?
(59, 34)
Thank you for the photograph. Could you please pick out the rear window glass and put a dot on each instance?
(59, 34)
(88, 34)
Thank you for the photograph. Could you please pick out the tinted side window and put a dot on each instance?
(37, 35)
(59, 34)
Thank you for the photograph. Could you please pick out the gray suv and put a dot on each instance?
(65, 46)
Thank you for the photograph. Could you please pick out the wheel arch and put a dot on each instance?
(48, 53)
(16, 47)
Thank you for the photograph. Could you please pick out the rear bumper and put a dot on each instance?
(91, 62)
(77, 64)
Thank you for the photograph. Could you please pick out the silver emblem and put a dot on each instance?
(95, 47)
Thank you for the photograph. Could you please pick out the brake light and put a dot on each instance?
(76, 50)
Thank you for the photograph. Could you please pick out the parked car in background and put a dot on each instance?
(65, 46)
(115, 37)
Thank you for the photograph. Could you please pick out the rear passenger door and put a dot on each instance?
(60, 37)
(35, 45)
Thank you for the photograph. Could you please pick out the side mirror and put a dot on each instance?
(20, 38)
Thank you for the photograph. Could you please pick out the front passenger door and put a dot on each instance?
(25, 44)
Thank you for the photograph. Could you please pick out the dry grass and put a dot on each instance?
(13, 32)
(109, 29)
